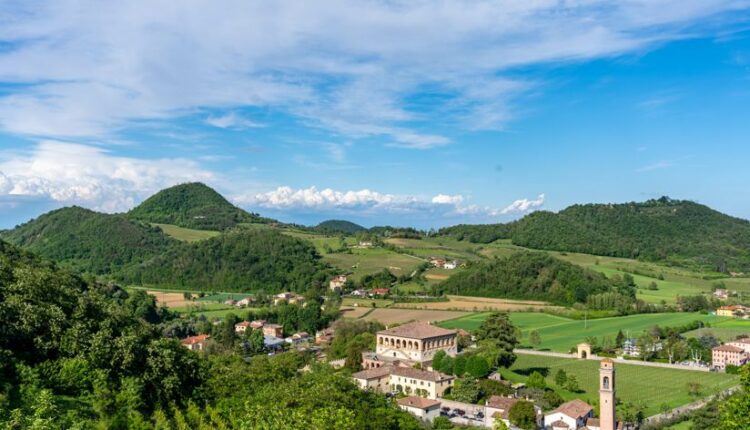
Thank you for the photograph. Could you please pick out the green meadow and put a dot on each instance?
(560, 334)
(650, 387)
(361, 262)
(186, 234)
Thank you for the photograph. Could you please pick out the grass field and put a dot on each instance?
(650, 387)
(561, 334)
(367, 261)
(391, 316)
(725, 330)
(222, 297)
(186, 234)
(476, 304)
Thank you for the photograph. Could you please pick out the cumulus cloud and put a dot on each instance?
(523, 205)
(73, 173)
(325, 62)
(372, 202)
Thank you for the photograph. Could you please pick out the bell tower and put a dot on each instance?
(607, 395)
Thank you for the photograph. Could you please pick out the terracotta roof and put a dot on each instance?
(560, 424)
(273, 325)
(375, 373)
(192, 340)
(575, 408)
(592, 422)
(243, 324)
(502, 403)
(417, 330)
(728, 348)
(418, 402)
(422, 375)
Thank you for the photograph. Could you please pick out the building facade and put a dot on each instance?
(728, 355)
(607, 395)
(416, 342)
(406, 380)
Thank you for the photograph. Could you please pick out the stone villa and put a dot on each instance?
(412, 343)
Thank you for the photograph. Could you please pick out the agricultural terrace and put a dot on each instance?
(186, 234)
(560, 334)
(649, 387)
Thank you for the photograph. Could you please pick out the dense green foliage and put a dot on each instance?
(90, 356)
(477, 233)
(89, 241)
(243, 260)
(339, 226)
(192, 205)
(673, 231)
(531, 275)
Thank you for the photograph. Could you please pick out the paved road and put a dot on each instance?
(616, 360)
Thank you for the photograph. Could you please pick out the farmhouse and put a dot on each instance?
(415, 342)
(256, 324)
(405, 380)
(324, 336)
(244, 302)
(241, 327)
(297, 338)
(290, 298)
(728, 355)
(195, 343)
(737, 311)
(337, 283)
(569, 415)
(424, 409)
(380, 291)
(275, 330)
(438, 262)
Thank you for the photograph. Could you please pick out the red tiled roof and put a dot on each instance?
(417, 330)
(422, 375)
(502, 403)
(192, 340)
(728, 348)
(418, 402)
(375, 373)
(243, 324)
(575, 408)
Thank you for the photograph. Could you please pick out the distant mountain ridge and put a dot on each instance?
(339, 226)
(192, 205)
(676, 232)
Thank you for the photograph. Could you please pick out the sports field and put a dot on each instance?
(650, 387)
(561, 334)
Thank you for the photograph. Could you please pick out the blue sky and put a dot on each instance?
(416, 113)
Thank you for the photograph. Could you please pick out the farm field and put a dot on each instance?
(650, 387)
(323, 243)
(725, 330)
(222, 297)
(391, 316)
(366, 303)
(560, 334)
(186, 234)
(170, 300)
(362, 262)
(475, 304)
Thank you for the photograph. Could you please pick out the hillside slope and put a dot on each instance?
(89, 241)
(672, 231)
(192, 205)
(534, 276)
(244, 260)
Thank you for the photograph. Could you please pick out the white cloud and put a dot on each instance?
(232, 120)
(371, 202)
(523, 205)
(663, 164)
(82, 174)
(445, 199)
(350, 67)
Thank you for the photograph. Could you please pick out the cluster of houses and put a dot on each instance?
(735, 311)
(735, 353)
(273, 336)
(285, 297)
(442, 263)
(402, 364)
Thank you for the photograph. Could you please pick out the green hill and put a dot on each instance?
(536, 276)
(676, 232)
(339, 226)
(192, 205)
(243, 260)
(89, 241)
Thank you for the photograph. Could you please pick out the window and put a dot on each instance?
(605, 383)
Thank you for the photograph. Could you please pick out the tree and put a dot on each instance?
(535, 338)
(619, 339)
(499, 424)
(466, 390)
(437, 359)
(561, 378)
(500, 336)
(536, 380)
(694, 388)
(459, 365)
(442, 423)
(477, 367)
(523, 415)
(572, 384)
(734, 411)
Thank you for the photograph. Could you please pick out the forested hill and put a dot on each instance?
(536, 276)
(243, 260)
(192, 205)
(89, 241)
(670, 231)
(339, 226)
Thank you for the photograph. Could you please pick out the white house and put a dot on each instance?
(569, 416)
(450, 265)
(424, 409)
